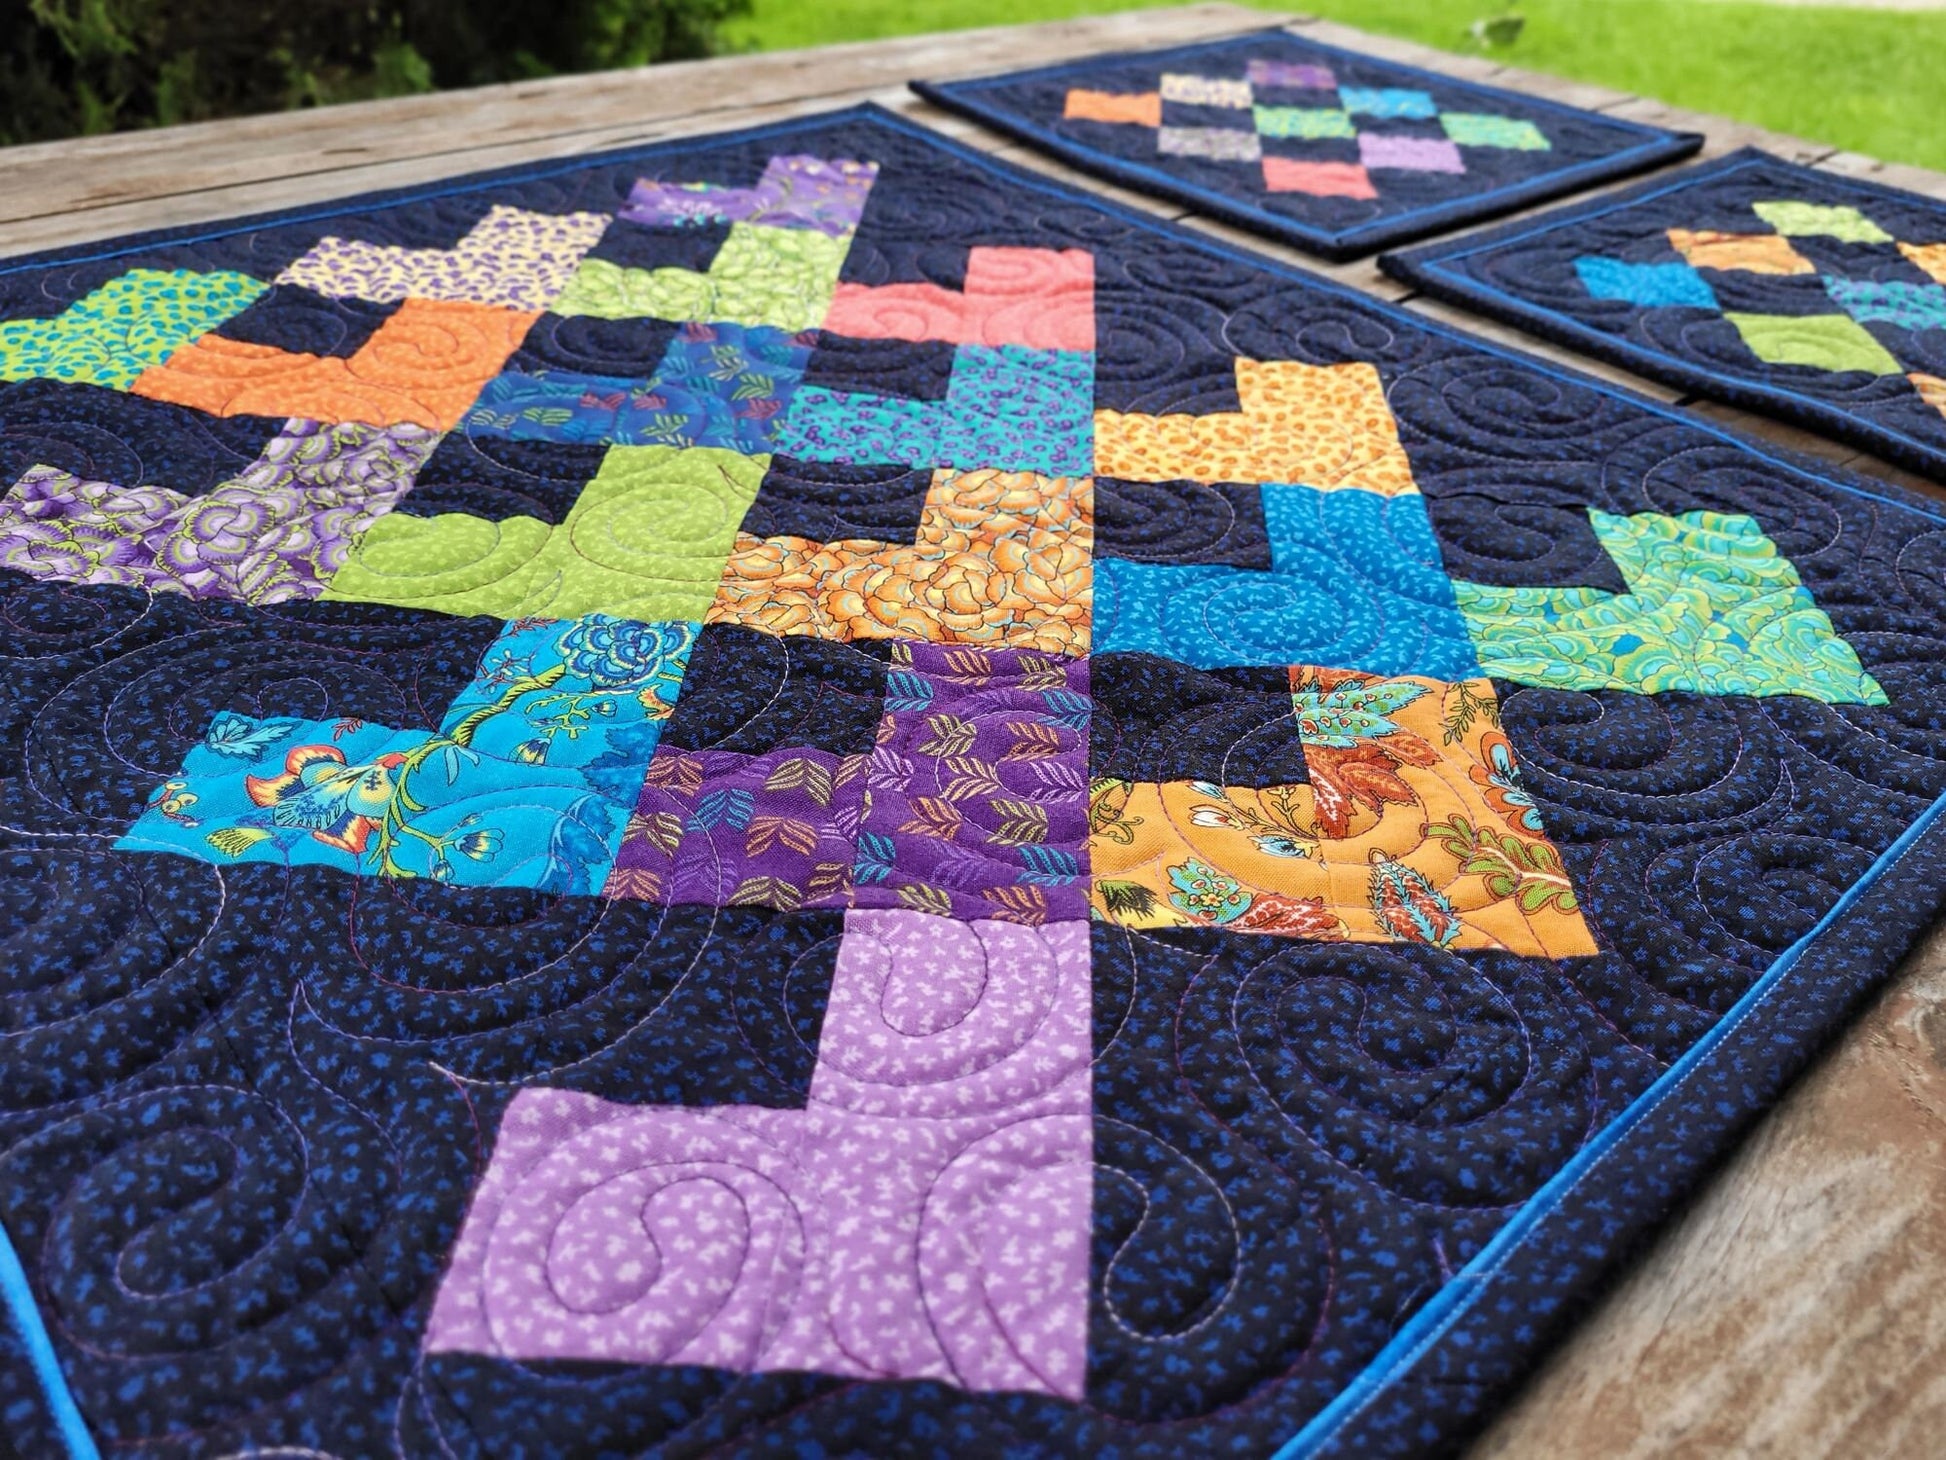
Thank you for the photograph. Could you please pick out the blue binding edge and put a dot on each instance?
(1423, 1330)
(40, 1354)
(1426, 1327)
(1659, 145)
(1434, 267)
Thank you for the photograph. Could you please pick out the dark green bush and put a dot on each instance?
(74, 66)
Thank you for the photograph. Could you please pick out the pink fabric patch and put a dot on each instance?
(926, 1215)
(1320, 179)
(1036, 297)
(1413, 154)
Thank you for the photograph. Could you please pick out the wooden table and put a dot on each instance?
(1798, 1305)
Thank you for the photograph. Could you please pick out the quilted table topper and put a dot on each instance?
(796, 793)
(1803, 294)
(1333, 151)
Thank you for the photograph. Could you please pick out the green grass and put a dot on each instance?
(1862, 79)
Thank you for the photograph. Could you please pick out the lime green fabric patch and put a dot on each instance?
(647, 540)
(1846, 224)
(138, 319)
(1712, 607)
(1307, 122)
(1828, 341)
(780, 277)
(1479, 129)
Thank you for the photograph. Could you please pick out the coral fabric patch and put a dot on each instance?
(801, 793)
(1330, 150)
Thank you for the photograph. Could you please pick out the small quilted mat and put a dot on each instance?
(1802, 294)
(1332, 151)
(800, 794)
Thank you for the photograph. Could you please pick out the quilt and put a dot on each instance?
(798, 793)
(1329, 150)
(1809, 296)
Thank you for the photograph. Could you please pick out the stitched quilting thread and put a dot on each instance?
(874, 804)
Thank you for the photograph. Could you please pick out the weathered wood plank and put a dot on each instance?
(477, 128)
(1794, 1309)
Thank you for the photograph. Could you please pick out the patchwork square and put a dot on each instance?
(1476, 129)
(1834, 342)
(1909, 306)
(1399, 102)
(424, 366)
(1218, 144)
(1750, 253)
(1649, 286)
(511, 259)
(1137, 109)
(1409, 154)
(1412, 826)
(647, 539)
(130, 324)
(1308, 123)
(1747, 626)
(1319, 179)
(1928, 256)
(1205, 90)
(1795, 218)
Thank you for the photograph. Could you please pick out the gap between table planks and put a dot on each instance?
(1794, 1306)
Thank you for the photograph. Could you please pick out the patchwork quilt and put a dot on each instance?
(1807, 295)
(797, 793)
(1333, 151)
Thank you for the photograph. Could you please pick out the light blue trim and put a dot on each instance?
(19, 1299)
(1431, 1323)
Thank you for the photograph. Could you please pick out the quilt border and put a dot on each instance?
(1424, 268)
(1448, 1409)
(1659, 146)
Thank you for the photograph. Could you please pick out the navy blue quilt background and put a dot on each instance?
(232, 1158)
(1525, 272)
(1586, 147)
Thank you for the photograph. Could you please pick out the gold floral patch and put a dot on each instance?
(1414, 827)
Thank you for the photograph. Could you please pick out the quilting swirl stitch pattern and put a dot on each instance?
(883, 810)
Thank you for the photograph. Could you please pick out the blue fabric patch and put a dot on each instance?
(1650, 286)
(1355, 582)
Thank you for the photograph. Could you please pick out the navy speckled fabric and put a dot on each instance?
(1335, 152)
(797, 793)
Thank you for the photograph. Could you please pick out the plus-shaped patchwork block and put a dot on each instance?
(277, 531)
(130, 324)
(1323, 426)
(647, 539)
(511, 259)
(1712, 608)
(926, 1215)
(1413, 826)
(1355, 581)
(1000, 558)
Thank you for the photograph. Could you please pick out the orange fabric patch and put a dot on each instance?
(1322, 426)
(1140, 108)
(1932, 390)
(1319, 179)
(1929, 256)
(1001, 558)
(1415, 829)
(1752, 253)
(1036, 297)
(424, 367)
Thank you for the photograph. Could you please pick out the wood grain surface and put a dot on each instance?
(1797, 1306)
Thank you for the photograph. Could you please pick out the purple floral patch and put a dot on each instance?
(825, 196)
(276, 531)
